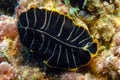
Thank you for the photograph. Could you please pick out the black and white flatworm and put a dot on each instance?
(62, 43)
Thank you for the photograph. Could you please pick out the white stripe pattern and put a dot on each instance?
(57, 18)
(43, 41)
(71, 33)
(35, 21)
(32, 43)
(57, 39)
(24, 36)
(88, 45)
(53, 52)
(26, 27)
(78, 36)
(73, 55)
(48, 21)
(59, 54)
(84, 40)
(61, 27)
(43, 26)
(66, 52)
(27, 21)
(47, 47)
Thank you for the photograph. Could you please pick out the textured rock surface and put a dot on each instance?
(103, 23)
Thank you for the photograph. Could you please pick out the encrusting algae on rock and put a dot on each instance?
(103, 22)
(6, 71)
(11, 67)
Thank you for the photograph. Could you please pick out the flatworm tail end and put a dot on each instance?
(95, 46)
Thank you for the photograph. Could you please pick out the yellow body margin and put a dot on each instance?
(69, 69)
(94, 40)
(94, 54)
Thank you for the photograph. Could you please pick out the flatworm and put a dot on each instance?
(62, 43)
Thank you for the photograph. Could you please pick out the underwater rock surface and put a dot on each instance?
(103, 22)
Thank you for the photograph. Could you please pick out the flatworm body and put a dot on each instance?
(62, 43)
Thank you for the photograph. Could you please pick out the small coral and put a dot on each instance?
(8, 34)
(108, 62)
(28, 73)
(117, 37)
(80, 76)
(6, 71)
(8, 27)
(25, 5)
(72, 76)
(105, 28)
(2, 58)
(4, 45)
